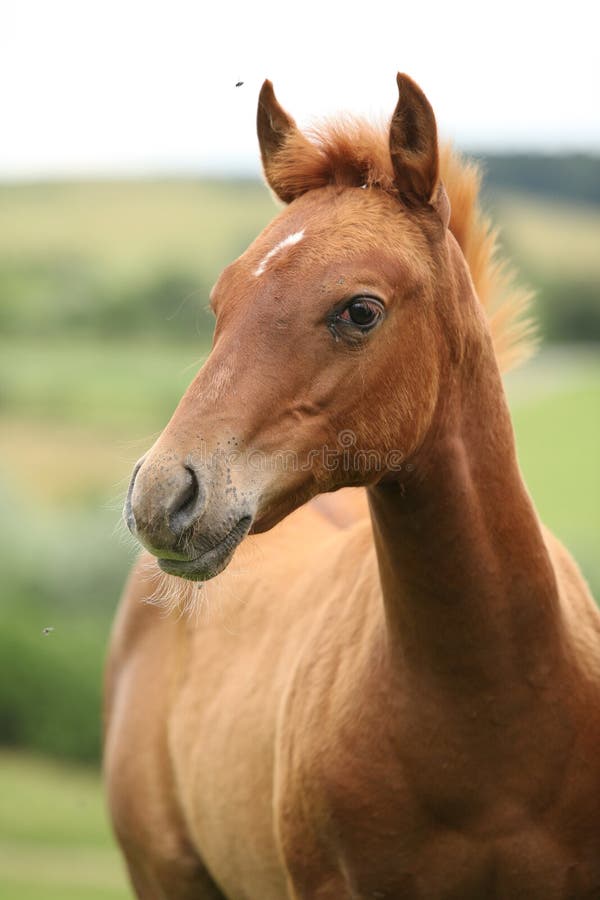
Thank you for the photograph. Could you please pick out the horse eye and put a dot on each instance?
(363, 312)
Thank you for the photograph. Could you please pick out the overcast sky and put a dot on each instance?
(92, 87)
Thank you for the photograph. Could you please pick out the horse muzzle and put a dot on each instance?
(182, 519)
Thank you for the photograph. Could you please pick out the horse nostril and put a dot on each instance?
(185, 508)
(128, 514)
(162, 503)
(188, 493)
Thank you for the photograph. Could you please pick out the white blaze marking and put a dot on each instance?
(289, 241)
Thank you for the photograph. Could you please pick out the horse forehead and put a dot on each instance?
(316, 232)
(301, 227)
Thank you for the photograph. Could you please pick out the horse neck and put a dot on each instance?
(469, 592)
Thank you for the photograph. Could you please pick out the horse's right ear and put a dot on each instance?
(273, 125)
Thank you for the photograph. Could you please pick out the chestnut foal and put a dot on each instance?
(408, 704)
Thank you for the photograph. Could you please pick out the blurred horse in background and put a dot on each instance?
(410, 704)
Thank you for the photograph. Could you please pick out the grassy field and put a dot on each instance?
(139, 257)
(54, 838)
(103, 290)
(55, 842)
(556, 413)
(65, 463)
(131, 227)
(550, 238)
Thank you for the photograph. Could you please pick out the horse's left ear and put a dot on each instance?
(273, 125)
(414, 150)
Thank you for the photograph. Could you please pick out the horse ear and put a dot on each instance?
(273, 125)
(414, 148)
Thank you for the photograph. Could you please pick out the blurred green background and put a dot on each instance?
(103, 323)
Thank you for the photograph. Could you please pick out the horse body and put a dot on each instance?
(407, 703)
(290, 748)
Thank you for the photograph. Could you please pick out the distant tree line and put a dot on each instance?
(64, 292)
(574, 177)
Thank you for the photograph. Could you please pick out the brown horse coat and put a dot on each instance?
(401, 698)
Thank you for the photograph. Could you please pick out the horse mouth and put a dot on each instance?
(211, 561)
